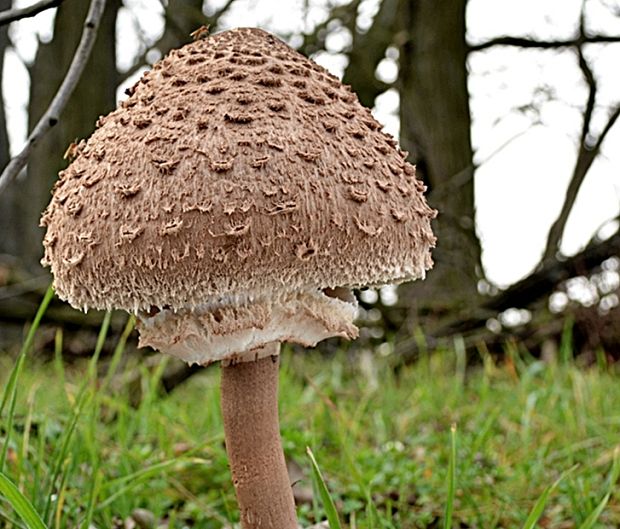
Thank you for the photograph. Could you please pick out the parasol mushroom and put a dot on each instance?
(233, 202)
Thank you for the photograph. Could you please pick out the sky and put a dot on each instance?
(524, 152)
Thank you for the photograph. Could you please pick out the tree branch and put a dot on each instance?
(368, 51)
(587, 152)
(585, 159)
(215, 18)
(552, 273)
(523, 42)
(610, 123)
(11, 15)
(168, 40)
(52, 114)
(315, 41)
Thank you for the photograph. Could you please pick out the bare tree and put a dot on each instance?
(434, 115)
(589, 147)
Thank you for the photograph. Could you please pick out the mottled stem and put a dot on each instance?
(253, 444)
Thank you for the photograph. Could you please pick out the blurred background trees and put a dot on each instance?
(431, 48)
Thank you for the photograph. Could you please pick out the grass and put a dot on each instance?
(516, 444)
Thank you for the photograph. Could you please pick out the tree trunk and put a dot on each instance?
(7, 243)
(94, 95)
(435, 129)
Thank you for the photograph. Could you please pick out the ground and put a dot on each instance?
(83, 454)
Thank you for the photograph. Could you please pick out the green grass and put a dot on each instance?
(534, 444)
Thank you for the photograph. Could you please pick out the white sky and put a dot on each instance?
(525, 154)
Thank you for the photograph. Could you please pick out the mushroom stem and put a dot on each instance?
(254, 446)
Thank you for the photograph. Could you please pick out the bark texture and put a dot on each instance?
(254, 447)
(435, 129)
(7, 244)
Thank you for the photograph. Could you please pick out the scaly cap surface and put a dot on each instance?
(237, 169)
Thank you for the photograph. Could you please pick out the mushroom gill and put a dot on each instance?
(235, 331)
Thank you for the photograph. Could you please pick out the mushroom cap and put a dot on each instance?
(237, 169)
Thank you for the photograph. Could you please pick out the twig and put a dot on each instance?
(458, 180)
(52, 114)
(11, 15)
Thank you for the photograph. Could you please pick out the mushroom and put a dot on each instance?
(233, 202)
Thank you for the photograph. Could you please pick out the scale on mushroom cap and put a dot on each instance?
(232, 202)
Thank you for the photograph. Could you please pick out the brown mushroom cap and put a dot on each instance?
(237, 169)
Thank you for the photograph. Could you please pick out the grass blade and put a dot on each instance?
(10, 391)
(614, 474)
(10, 394)
(83, 399)
(566, 341)
(62, 491)
(126, 483)
(59, 367)
(451, 480)
(118, 353)
(615, 469)
(371, 512)
(594, 515)
(20, 503)
(538, 508)
(326, 499)
(103, 333)
(49, 294)
(47, 298)
(92, 499)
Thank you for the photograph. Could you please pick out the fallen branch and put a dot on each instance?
(52, 114)
(537, 285)
(20, 309)
(528, 292)
(11, 15)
